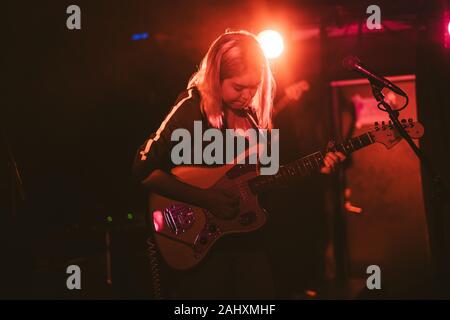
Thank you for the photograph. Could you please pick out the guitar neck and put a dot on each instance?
(306, 165)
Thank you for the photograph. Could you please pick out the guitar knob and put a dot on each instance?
(247, 219)
(410, 120)
(376, 123)
(212, 228)
(203, 239)
(403, 120)
(382, 123)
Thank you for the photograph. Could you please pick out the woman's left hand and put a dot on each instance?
(331, 160)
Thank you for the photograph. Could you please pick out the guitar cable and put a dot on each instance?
(154, 266)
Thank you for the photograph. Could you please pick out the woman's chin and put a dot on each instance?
(239, 105)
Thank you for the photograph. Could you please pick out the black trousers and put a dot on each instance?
(237, 267)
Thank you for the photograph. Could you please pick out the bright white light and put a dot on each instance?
(448, 27)
(271, 43)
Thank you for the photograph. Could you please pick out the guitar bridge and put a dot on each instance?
(179, 218)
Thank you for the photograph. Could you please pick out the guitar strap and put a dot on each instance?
(250, 115)
(153, 256)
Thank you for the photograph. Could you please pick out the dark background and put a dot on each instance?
(76, 105)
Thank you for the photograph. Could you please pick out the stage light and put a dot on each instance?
(447, 31)
(446, 28)
(271, 43)
(130, 216)
(139, 36)
(109, 219)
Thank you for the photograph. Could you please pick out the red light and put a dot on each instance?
(311, 293)
(447, 33)
(158, 220)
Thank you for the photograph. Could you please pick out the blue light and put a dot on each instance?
(139, 36)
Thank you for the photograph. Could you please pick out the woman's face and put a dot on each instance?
(237, 92)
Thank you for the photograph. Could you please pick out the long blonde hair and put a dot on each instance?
(231, 54)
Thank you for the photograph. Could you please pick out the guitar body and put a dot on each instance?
(185, 233)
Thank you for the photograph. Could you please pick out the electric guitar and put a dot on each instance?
(185, 233)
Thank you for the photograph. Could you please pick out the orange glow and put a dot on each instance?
(348, 205)
(158, 220)
(271, 43)
(311, 293)
(351, 208)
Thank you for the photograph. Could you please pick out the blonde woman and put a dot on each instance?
(233, 89)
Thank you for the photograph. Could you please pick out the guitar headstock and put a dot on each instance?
(295, 91)
(387, 134)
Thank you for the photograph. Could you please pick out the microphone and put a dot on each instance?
(353, 63)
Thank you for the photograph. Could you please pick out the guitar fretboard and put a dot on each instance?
(308, 164)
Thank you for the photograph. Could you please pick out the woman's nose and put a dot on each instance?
(246, 94)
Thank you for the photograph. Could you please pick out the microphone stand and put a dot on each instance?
(439, 192)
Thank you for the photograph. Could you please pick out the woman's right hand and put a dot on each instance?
(222, 203)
